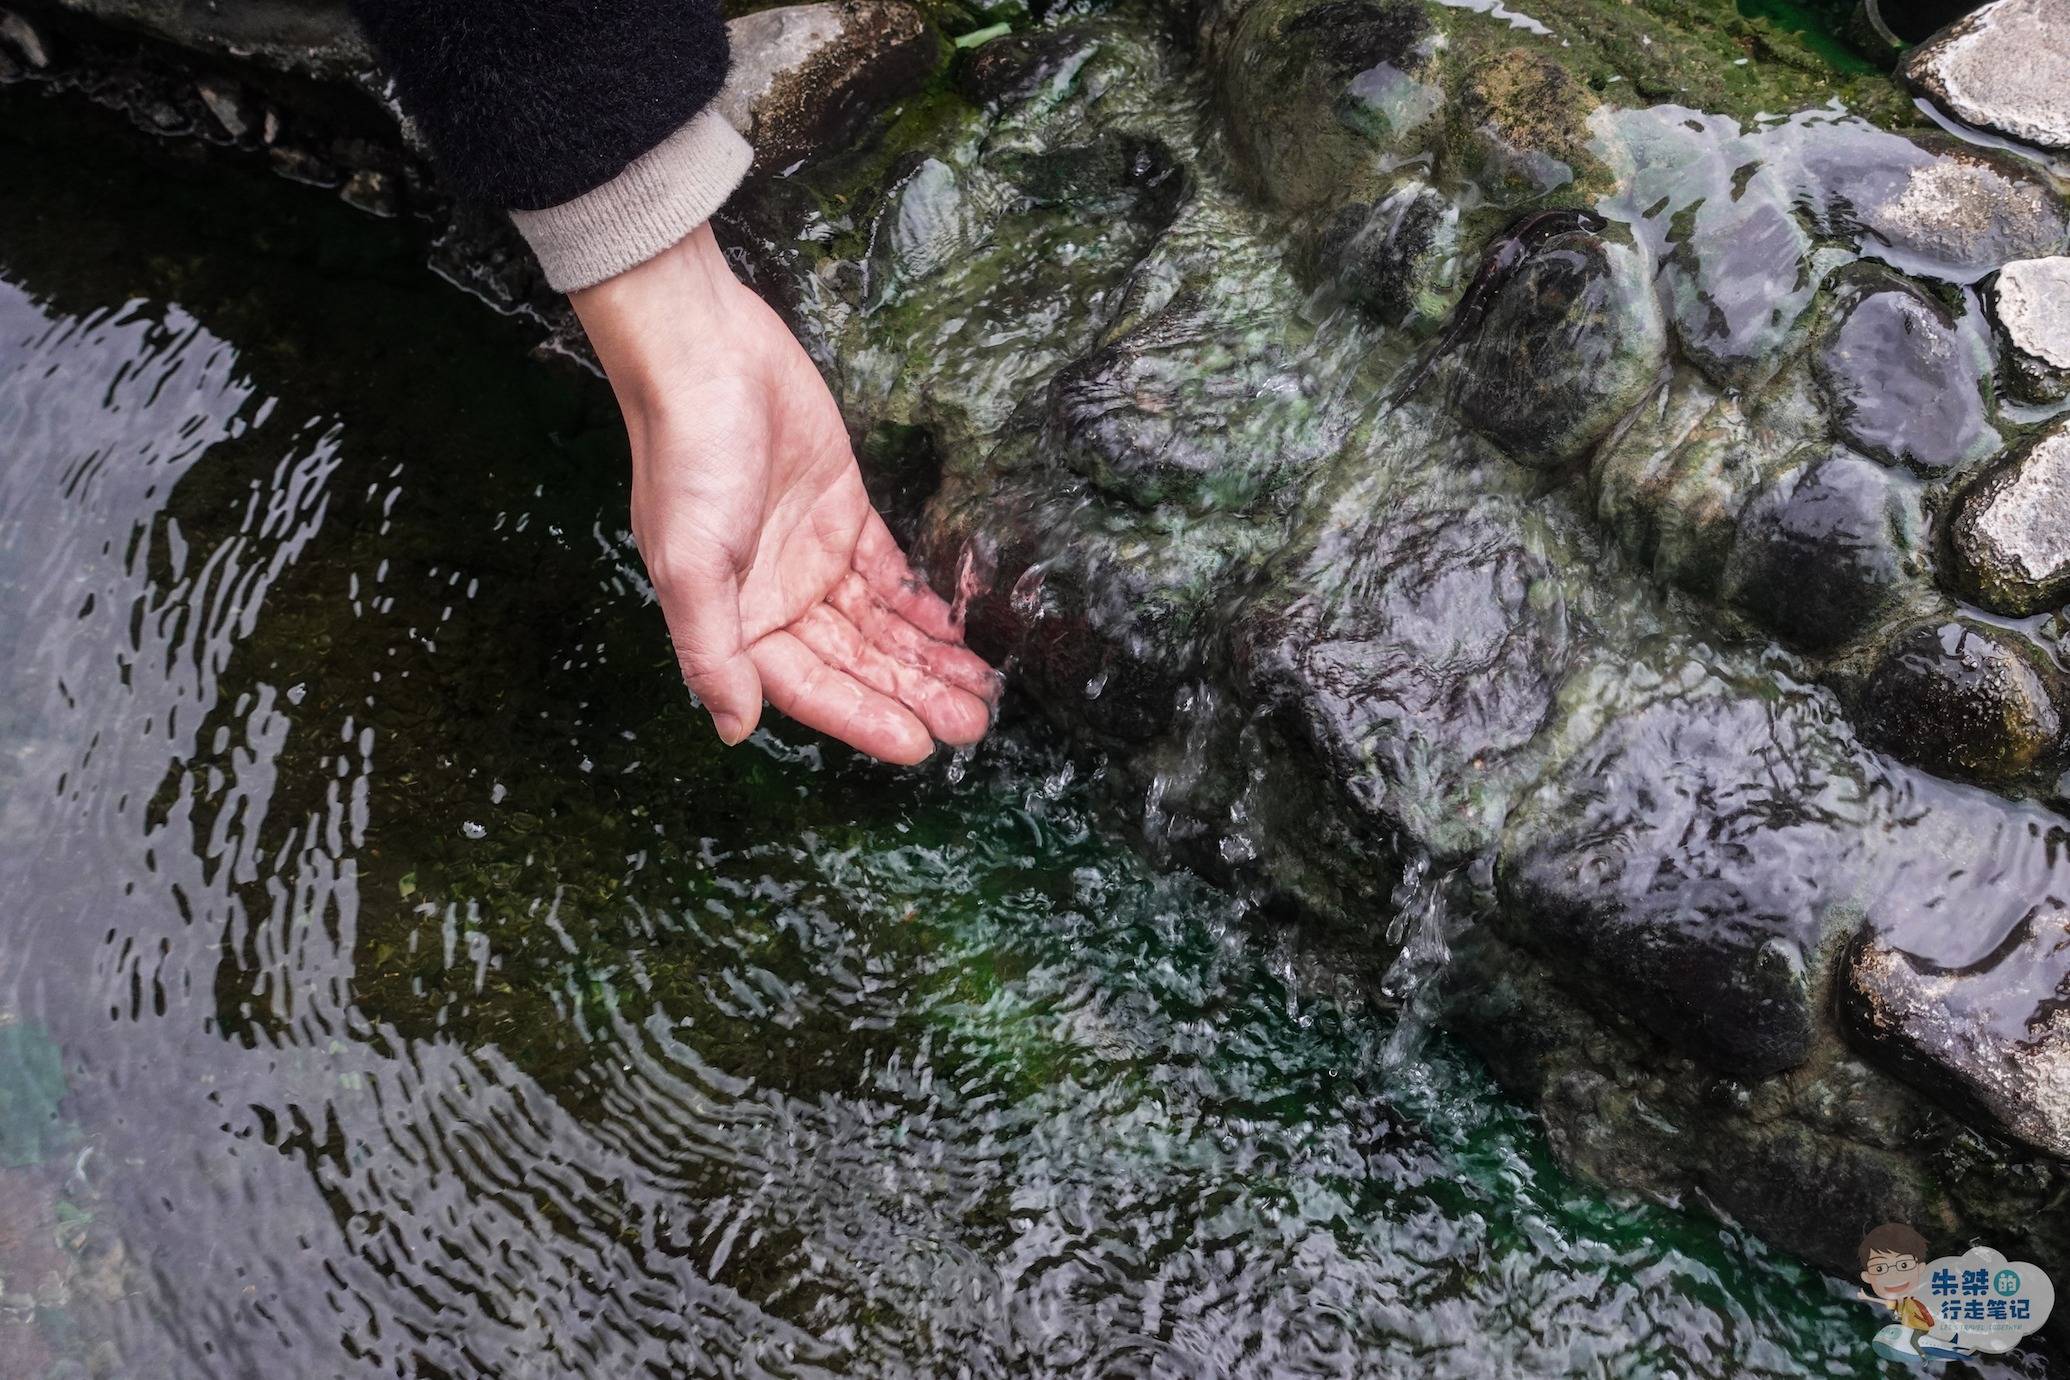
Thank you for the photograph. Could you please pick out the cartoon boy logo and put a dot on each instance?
(1893, 1259)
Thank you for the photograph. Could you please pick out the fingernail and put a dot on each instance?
(731, 729)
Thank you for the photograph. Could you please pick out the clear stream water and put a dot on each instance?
(397, 978)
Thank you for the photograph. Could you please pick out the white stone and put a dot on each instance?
(2014, 534)
(766, 45)
(2033, 305)
(2005, 68)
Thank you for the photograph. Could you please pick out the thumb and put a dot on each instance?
(701, 600)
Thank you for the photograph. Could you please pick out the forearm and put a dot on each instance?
(587, 119)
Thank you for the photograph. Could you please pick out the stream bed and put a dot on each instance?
(396, 977)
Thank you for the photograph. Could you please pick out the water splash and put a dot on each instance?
(1421, 923)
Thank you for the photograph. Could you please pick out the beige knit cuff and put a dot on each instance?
(661, 196)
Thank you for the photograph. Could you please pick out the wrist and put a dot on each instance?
(652, 321)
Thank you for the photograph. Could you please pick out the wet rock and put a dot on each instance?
(1963, 699)
(2005, 68)
(1904, 384)
(227, 104)
(1112, 173)
(1680, 864)
(1189, 409)
(1933, 205)
(1523, 129)
(2030, 302)
(1314, 91)
(1398, 258)
(1425, 661)
(805, 77)
(1572, 343)
(1015, 68)
(1739, 280)
(1672, 485)
(2012, 537)
(21, 36)
(1989, 1035)
(932, 217)
(1826, 551)
(316, 38)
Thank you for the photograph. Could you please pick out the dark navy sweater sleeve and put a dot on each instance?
(531, 103)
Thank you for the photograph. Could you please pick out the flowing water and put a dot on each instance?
(397, 978)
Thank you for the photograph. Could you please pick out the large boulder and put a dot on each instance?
(1904, 384)
(2005, 68)
(1570, 345)
(1965, 699)
(1684, 863)
(1827, 551)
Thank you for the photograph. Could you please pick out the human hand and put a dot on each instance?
(777, 577)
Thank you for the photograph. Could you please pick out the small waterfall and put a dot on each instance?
(1421, 924)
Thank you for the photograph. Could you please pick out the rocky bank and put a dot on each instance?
(1605, 461)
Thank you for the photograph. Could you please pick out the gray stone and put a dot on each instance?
(2005, 68)
(1572, 343)
(2012, 537)
(2030, 300)
(1681, 864)
(1739, 281)
(1904, 384)
(1825, 552)
(1931, 204)
(805, 76)
(1989, 1035)
(1964, 699)
(224, 102)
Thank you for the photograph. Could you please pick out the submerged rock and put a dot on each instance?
(1317, 94)
(1739, 280)
(1570, 345)
(2030, 301)
(2005, 68)
(1397, 258)
(2012, 537)
(1986, 1032)
(1826, 551)
(1964, 699)
(1904, 384)
(932, 218)
(1111, 173)
(1188, 409)
(1018, 67)
(1424, 658)
(1664, 863)
(1933, 206)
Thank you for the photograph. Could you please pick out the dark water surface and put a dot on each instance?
(397, 978)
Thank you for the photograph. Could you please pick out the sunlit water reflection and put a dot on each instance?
(398, 979)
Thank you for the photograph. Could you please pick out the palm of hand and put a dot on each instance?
(778, 578)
